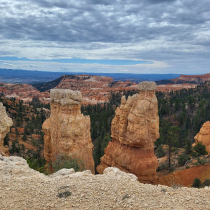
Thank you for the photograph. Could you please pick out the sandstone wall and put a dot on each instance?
(5, 124)
(204, 136)
(67, 131)
(134, 130)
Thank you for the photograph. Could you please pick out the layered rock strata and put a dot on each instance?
(67, 131)
(5, 125)
(204, 136)
(134, 130)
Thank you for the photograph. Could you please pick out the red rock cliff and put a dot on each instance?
(134, 129)
(67, 131)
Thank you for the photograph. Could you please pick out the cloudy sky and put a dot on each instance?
(125, 36)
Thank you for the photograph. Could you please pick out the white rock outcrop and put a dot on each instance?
(23, 188)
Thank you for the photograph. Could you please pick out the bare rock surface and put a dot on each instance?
(23, 188)
(204, 136)
(67, 131)
(5, 124)
(134, 129)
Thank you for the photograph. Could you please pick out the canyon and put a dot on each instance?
(95, 89)
(134, 130)
(67, 131)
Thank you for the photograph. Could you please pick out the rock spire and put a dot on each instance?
(67, 131)
(134, 130)
(5, 124)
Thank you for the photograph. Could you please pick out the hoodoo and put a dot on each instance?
(67, 131)
(5, 125)
(204, 136)
(134, 130)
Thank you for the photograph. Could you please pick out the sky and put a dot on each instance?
(106, 36)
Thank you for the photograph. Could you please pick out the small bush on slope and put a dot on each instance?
(200, 149)
(64, 161)
(206, 183)
(183, 159)
(160, 152)
(196, 183)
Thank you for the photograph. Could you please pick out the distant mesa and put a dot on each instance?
(192, 78)
(134, 130)
(67, 131)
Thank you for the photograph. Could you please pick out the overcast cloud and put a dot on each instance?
(173, 35)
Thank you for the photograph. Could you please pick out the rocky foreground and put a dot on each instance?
(24, 188)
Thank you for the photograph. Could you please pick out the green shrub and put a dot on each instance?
(36, 164)
(200, 149)
(206, 183)
(183, 159)
(162, 167)
(171, 169)
(196, 183)
(6, 140)
(68, 162)
(201, 161)
(64, 194)
(174, 149)
(194, 154)
(24, 137)
(160, 152)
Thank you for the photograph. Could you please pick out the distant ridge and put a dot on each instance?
(33, 77)
(193, 79)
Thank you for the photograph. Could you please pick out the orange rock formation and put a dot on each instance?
(67, 131)
(204, 136)
(134, 129)
(5, 124)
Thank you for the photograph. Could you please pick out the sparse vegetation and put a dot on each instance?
(63, 161)
(183, 159)
(196, 183)
(200, 149)
(160, 152)
(63, 192)
(206, 183)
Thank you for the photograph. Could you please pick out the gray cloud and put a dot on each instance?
(164, 30)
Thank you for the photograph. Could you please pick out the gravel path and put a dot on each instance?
(23, 188)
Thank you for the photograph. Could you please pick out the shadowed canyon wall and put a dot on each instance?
(5, 124)
(67, 131)
(134, 130)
